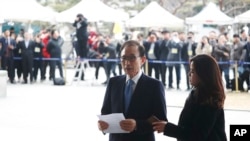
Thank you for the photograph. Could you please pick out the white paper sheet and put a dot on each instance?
(114, 122)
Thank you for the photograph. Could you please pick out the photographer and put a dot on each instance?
(82, 38)
(82, 35)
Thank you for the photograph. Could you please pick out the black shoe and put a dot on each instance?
(104, 83)
(24, 82)
(12, 82)
(170, 87)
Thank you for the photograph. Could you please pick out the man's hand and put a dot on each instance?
(102, 125)
(128, 125)
(11, 47)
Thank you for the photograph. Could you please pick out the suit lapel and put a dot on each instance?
(121, 91)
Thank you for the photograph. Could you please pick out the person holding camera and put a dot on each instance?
(82, 35)
(81, 25)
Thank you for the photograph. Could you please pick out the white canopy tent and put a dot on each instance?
(211, 14)
(243, 18)
(154, 15)
(25, 10)
(93, 10)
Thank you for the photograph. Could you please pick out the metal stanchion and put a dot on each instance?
(236, 77)
(146, 67)
(65, 71)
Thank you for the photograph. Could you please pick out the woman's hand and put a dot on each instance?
(159, 126)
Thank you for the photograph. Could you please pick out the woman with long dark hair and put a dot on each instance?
(202, 118)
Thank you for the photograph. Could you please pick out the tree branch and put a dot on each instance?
(234, 8)
(180, 6)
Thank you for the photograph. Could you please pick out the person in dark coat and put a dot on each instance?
(164, 49)
(27, 46)
(81, 25)
(7, 48)
(82, 35)
(38, 55)
(55, 51)
(188, 51)
(202, 118)
(146, 97)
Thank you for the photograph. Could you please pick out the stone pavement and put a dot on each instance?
(234, 100)
(42, 111)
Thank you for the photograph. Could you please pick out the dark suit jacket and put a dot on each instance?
(147, 46)
(148, 99)
(26, 51)
(198, 123)
(5, 51)
(184, 51)
(164, 49)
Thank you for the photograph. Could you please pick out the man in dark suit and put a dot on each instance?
(164, 49)
(27, 46)
(147, 97)
(8, 45)
(152, 48)
(188, 51)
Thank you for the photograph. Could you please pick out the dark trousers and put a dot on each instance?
(97, 67)
(27, 62)
(53, 65)
(178, 75)
(245, 77)
(19, 67)
(83, 47)
(187, 69)
(46, 63)
(10, 68)
(110, 67)
(3, 62)
(225, 69)
(163, 70)
(38, 64)
(156, 68)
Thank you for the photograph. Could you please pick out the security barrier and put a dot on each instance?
(234, 63)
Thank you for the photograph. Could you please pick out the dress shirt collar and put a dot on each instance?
(135, 78)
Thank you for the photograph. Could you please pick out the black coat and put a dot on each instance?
(147, 46)
(185, 54)
(198, 123)
(81, 29)
(54, 47)
(26, 51)
(38, 50)
(164, 49)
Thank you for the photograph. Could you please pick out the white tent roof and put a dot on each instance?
(25, 10)
(211, 14)
(154, 15)
(243, 18)
(93, 10)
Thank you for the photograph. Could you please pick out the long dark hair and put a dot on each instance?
(210, 90)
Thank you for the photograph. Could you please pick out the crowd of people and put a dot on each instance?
(172, 49)
(167, 50)
(25, 54)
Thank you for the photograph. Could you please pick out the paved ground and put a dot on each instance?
(44, 112)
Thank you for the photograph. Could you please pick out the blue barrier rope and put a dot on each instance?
(118, 60)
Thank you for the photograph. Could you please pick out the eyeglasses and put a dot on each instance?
(131, 58)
